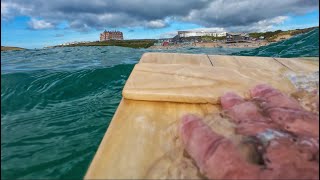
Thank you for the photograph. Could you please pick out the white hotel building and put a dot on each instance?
(200, 33)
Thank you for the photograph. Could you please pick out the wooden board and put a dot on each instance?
(193, 84)
(142, 140)
(236, 62)
(300, 65)
(310, 58)
(176, 58)
(141, 137)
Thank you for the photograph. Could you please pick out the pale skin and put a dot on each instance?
(218, 158)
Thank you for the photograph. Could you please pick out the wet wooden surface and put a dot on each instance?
(176, 58)
(142, 139)
(141, 135)
(194, 84)
(300, 65)
(236, 62)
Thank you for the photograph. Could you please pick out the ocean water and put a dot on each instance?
(56, 104)
(306, 45)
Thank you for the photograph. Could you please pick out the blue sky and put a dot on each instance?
(30, 38)
(26, 27)
(307, 20)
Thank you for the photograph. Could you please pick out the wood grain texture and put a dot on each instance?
(176, 58)
(236, 62)
(142, 140)
(141, 137)
(299, 64)
(194, 84)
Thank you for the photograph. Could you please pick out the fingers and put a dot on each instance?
(228, 100)
(215, 155)
(199, 140)
(268, 97)
(286, 111)
(304, 127)
(287, 160)
(246, 114)
(286, 155)
(262, 90)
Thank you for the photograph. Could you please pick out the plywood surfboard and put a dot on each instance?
(142, 140)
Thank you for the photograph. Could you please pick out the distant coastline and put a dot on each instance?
(11, 48)
(202, 41)
(254, 44)
(269, 37)
(143, 43)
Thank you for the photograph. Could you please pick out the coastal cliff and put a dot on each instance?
(9, 48)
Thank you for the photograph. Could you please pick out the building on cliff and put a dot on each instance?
(237, 37)
(200, 33)
(111, 35)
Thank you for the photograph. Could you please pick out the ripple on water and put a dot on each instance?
(56, 104)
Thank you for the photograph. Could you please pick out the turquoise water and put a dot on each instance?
(56, 104)
(306, 45)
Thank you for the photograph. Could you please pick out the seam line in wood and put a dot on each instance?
(282, 64)
(210, 60)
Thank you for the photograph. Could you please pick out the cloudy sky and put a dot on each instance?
(39, 23)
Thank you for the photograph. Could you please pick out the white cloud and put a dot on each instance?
(9, 10)
(168, 34)
(4, 8)
(228, 13)
(100, 14)
(156, 24)
(39, 24)
(260, 26)
(212, 29)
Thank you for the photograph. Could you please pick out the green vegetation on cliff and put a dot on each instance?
(122, 43)
(212, 38)
(8, 48)
(272, 35)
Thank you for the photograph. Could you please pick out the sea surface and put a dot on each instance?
(56, 104)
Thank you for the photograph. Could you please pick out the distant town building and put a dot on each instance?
(166, 43)
(222, 34)
(111, 35)
(236, 37)
(74, 42)
(200, 33)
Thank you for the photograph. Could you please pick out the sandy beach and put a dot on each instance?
(251, 44)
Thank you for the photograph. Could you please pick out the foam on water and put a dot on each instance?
(305, 81)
